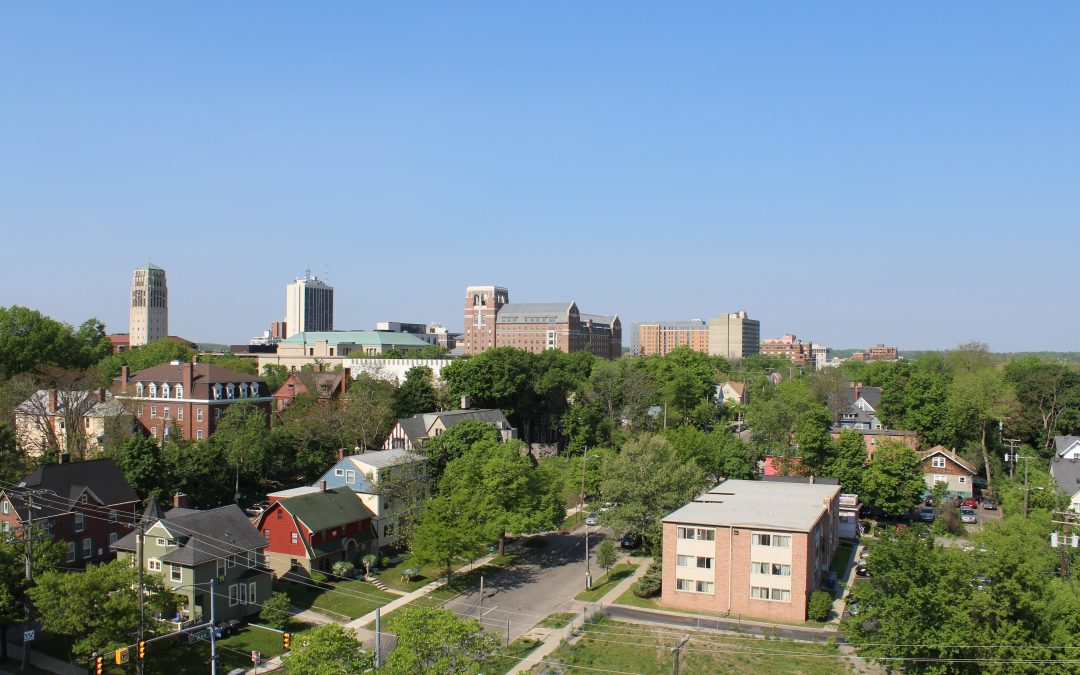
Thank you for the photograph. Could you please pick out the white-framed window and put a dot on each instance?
(180, 413)
(153, 431)
(252, 558)
(153, 390)
(198, 414)
(80, 522)
(153, 564)
(71, 551)
(176, 573)
(230, 390)
(221, 567)
(769, 539)
(217, 391)
(350, 476)
(139, 389)
(179, 391)
(938, 478)
(84, 499)
(162, 541)
(692, 586)
(198, 434)
(684, 560)
(254, 390)
(696, 533)
(764, 593)
(252, 596)
(165, 414)
(938, 462)
(337, 472)
(165, 391)
(153, 412)
(233, 595)
(772, 569)
(293, 538)
(217, 414)
(5, 507)
(266, 536)
(232, 561)
(961, 479)
(243, 390)
(704, 562)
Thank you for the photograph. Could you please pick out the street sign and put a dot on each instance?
(28, 636)
(122, 656)
(256, 657)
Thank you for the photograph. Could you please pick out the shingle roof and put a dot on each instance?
(948, 454)
(1066, 473)
(417, 426)
(534, 312)
(1063, 443)
(332, 508)
(381, 459)
(762, 504)
(203, 377)
(871, 395)
(68, 481)
(203, 536)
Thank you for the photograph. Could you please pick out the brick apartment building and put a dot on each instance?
(187, 397)
(492, 321)
(878, 352)
(789, 347)
(755, 548)
(88, 505)
(663, 336)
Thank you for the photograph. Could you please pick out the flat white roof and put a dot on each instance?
(380, 459)
(293, 492)
(761, 504)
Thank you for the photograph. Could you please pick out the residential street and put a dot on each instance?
(543, 581)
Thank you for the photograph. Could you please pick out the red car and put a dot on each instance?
(970, 503)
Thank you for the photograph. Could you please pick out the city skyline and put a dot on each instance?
(851, 174)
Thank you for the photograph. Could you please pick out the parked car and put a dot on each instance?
(629, 542)
(970, 503)
(925, 533)
(861, 571)
(927, 514)
(968, 516)
(989, 504)
(590, 520)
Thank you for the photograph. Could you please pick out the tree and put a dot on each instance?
(29, 339)
(848, 461)
(813, 439)
(198, 469)
(369, 411)
(416, 394)
(447, 531)
(454, 443)
(775, 414)
(605, 555)
(58, 423)
(276, 610)
(97, 609)
(978, 399)
(329, 649)
(1043, 391)
(503, 378)
(893, 480)
(646, 482)
(437, 642)
(48, 554)
(13, 463)
(149, 355)
(141, 460)
(275, 376)
(407, 487)
(241, 437)
(720, 454)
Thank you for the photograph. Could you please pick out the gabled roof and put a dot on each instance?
(380, 459)
(737, 387)
(418, 427)
(871, 395)
(203, 536)
(1063, 443)
(203, 377)
(322, 510)
(101, 477)
(948, 454)
(83, 402)
(598, 320)
(1066, 473)
(319, 384)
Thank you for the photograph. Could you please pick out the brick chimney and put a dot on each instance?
(346, 376)
(101, 394)
(180, 500)
(123, 378)
(52, 401)
(187, 374)
(340, 454)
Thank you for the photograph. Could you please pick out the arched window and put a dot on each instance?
(217, 391)
(165, 390)
(179, 391)
(230, 390)
(139, 389)
(153, 390)
(475, 299)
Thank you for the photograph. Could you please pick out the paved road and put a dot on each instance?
(623, 613)
(544, 580)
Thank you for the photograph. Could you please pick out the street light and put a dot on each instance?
(213, 641)
(581, 509)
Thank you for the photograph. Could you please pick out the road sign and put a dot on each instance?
(28, 636)
(122, 655)
(256, 657)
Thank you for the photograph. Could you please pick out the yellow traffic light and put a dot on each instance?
(142, 649)
(99, 665)
(286, 639)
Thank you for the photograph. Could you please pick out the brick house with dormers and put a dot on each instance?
(187, 397)
(88, 505)
(941, 465)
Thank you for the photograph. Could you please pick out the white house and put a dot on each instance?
(1067, 447)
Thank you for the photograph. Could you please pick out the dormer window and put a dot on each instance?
(217, 391)
(243, 390)
(254, 390)
(179, 391)
(153, 390)
(165, 390)
(139, 389)
(230, 390)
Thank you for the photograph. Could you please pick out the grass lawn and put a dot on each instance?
(628, 598)
(557, 620)
(391, 576)
(607, 582)
(573, 521)
(510, 655)
(612, 645)
(840, 561)
(348, 599)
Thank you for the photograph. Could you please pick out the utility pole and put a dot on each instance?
(139, 543)
(581, 509)
(1067, 519)
(1013, 444)
(676, 650)
(480, 611)
(30, 508)
(378, 638)
(213, 641)
(1027, 490)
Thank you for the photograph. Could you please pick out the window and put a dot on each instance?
(217, 414)
(704, 587)
(763, 593)
(280, 514)
(180, 414)
(350, 476)
(684, 560)
(84, 499)
(80, 522)
(153, 390)
(684, 585)
(244, 389)
(774, 540)
(114, 515)
(938, 478)
(179, 391)
(175, 572)
(252, 558)
(161, 541)
(71, 551)
(232, 595)
(254, 389)
(153, 412)
(6, 507)
(165, 390)
(165, 413)
(198, 434)
(961, 479)
(339, 472)
(232, 561)
(293, 538)
(252, 597)
(773, 569)
(153, 564)
(266, 536)
(153, 431)
(387, 530)
(694, 586)
(139, 389)
(230, 390)
(198, 414)
(217, 391)
(221, 567)
(112, 538)
(698, 533)
(938, 462)
(704, 563)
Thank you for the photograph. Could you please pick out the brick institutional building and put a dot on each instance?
(187, 398)
(491, 320)
(788, 347)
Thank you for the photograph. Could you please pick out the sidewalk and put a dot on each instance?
(556, 638)
(38, 660)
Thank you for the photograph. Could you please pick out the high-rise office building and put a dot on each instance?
(734, 335)
(149, 317)
(309, 305)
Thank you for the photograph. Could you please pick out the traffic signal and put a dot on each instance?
(99, 665)
(122, 656)
(286, 639)
(142, 649)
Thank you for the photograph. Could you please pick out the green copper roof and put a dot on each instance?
(360, 337)
(150, 266)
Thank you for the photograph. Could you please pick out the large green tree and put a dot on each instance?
(979, 400)
(48, 554)
(416, 394)
(437, 642)
(447, 532)
(28, 339)
(893, 480)
(242, 436)
(646, 482)
(141, 460)
(455, 442)
(153, 354)
(329, 649)
(719, 454)
(848, 462)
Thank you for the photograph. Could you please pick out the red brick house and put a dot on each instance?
(311, 528)
(323, 386)
(187, 398)
(88, 504)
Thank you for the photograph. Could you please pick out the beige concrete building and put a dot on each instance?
(148, 320)
(754, 548)
(734, 335)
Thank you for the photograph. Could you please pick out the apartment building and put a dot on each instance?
(789, 347)
(754, 548)
(661, 337)
(309, 305)
(734, 335)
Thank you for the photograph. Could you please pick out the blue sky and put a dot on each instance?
(850, 172)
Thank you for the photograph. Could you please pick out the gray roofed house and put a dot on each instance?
(1067, 447)
(1066, 473)
(189, 548)
(410, 433)
(863, 404)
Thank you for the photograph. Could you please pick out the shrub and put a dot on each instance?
(275, 611)
(819, 606)
(386, 562)
(344, 568)
(318, 577)
(369, 561)
(650, 583)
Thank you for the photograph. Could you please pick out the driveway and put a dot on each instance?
(542, 581)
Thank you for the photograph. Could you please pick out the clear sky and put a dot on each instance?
(854, 173)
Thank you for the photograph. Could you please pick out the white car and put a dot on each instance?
(968, 516)
(590, 520)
